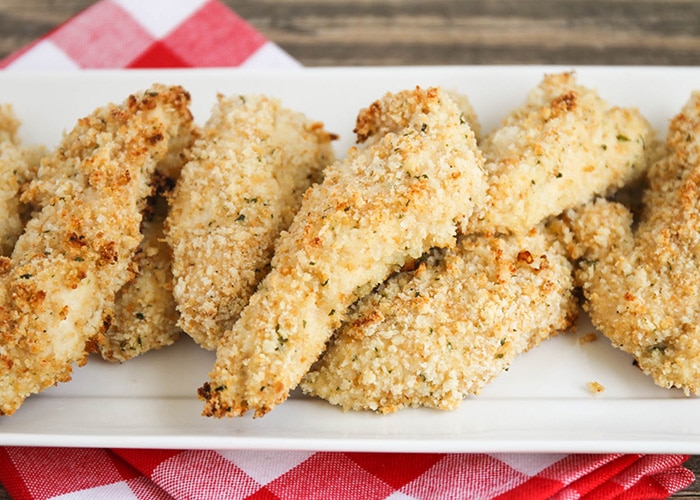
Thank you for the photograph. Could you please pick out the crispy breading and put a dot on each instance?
(75, 253)
(546, 138)
(9, 124)
(432, 336)
(642, 286)
(564, 145)
(144, 314)
(240, 189)
(12, 165)
(18, 164)
(382, 206)
(468, 113)
(376, 120)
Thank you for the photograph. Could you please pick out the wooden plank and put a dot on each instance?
(439, 32)
(22, 22)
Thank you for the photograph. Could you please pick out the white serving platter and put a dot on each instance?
(541, 404)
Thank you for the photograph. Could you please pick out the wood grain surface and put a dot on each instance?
(411, 32)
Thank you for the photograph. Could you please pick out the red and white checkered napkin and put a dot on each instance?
(72, 474)
(189, 33)
(151, 34)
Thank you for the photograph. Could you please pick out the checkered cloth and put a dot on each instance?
(167, 33)
(151, 34)
(73, 474)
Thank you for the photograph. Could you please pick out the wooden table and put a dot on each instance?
(411, 32)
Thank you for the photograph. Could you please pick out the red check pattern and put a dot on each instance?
(164, 33)
(153, 34)
(72, 474)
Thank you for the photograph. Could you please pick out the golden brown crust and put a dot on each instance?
(12, 164)
(642, 286)
(386, 204)
(144, 315)
(563, 146)
(75, 252)
(240, 189)
(9, 124)
(432, 336)
(18, 165)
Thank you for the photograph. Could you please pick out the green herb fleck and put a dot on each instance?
(658, 348)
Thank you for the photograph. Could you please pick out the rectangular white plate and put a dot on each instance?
(540, 405)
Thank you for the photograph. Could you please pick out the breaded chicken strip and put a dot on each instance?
(642, 288)
(144, 314)
(432, 336)
(378, 120)
(563, 146)
(382, 206)
(548, 140)
(74, 255)
(241, 188)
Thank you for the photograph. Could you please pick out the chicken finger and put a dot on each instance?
(432, 336)
(74, 255)
(561, 148)
(144, 314)
(240, 189)
(382, 206)
(642, 286)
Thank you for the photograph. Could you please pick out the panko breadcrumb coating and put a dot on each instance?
(468, 113)
(144, 314)
(12, 165)
(75, 253)
(562, 147)
(240, 189)
(642, 287)
(432, 336)
(9, 124)
(18, 164)
(382, 206)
